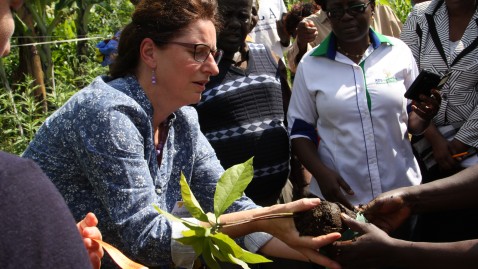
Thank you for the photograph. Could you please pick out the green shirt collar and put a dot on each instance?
(328, 47)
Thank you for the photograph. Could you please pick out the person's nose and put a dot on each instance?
(211, 65)
(347, 15)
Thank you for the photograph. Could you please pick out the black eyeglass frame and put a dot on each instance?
(352, 11)
(216, 54)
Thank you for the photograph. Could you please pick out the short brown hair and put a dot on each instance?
(159, 20)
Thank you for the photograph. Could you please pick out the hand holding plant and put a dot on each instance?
(211, 239)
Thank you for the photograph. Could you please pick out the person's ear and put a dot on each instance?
(254, 19)
(147, 52)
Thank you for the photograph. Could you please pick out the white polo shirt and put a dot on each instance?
(360, 114)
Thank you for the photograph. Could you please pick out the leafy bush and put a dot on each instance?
(21, 114)
(401, 8)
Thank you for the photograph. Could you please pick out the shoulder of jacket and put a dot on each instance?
(422, 8)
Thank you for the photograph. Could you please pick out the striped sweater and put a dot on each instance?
(241, 114)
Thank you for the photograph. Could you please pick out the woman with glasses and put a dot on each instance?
(348, 118)
(120, 145)
(313, 29)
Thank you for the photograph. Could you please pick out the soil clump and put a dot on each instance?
(322, 219)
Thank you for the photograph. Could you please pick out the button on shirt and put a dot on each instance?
(359, 113)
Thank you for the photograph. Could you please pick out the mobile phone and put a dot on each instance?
(424, 83)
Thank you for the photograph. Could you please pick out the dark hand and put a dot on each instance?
(306, 32)
(331, 184)
(443, 152)
(369, 250)
(388, 211)
(428, 107)
(282, 32)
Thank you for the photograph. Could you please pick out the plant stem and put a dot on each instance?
(269, 216)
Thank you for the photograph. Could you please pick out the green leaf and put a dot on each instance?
(238, 262)
(227, 245)
(195, 232)
(190, 201)
(217, 253)
(171, 217)
(195, 242)
(231, 186)
(250, 257)
(208, 257)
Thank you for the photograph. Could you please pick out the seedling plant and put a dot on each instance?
(209, 242)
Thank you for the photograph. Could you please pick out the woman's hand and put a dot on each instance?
(284, 229)
(389, 210)
(331, 185)
(423, 112)
(372, 249)
(89, 231)
(428, 107)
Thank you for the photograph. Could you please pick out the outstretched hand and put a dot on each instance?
(369, 250)
(388, 211)
(285, 230)
(89, 231)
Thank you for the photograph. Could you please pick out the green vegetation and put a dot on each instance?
(401, 7)
(34, 85)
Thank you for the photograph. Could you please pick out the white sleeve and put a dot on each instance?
(182, 255)
(302, 113)
(412, 71)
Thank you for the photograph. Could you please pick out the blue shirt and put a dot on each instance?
(98, 149)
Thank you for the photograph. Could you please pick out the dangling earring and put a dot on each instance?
(153, 76)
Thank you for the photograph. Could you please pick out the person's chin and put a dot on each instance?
(196, 98)
(351, 36)
(5, 50)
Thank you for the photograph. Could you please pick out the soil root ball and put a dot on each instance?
(322, 219)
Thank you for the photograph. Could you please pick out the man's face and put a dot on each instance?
(237, 19)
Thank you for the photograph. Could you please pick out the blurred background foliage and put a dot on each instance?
(53, 56)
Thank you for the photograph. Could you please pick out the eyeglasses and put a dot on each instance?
(201, 51)
(338, 13)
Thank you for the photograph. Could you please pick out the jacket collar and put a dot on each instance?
(328, 47)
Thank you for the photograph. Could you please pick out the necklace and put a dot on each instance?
(350, 55)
